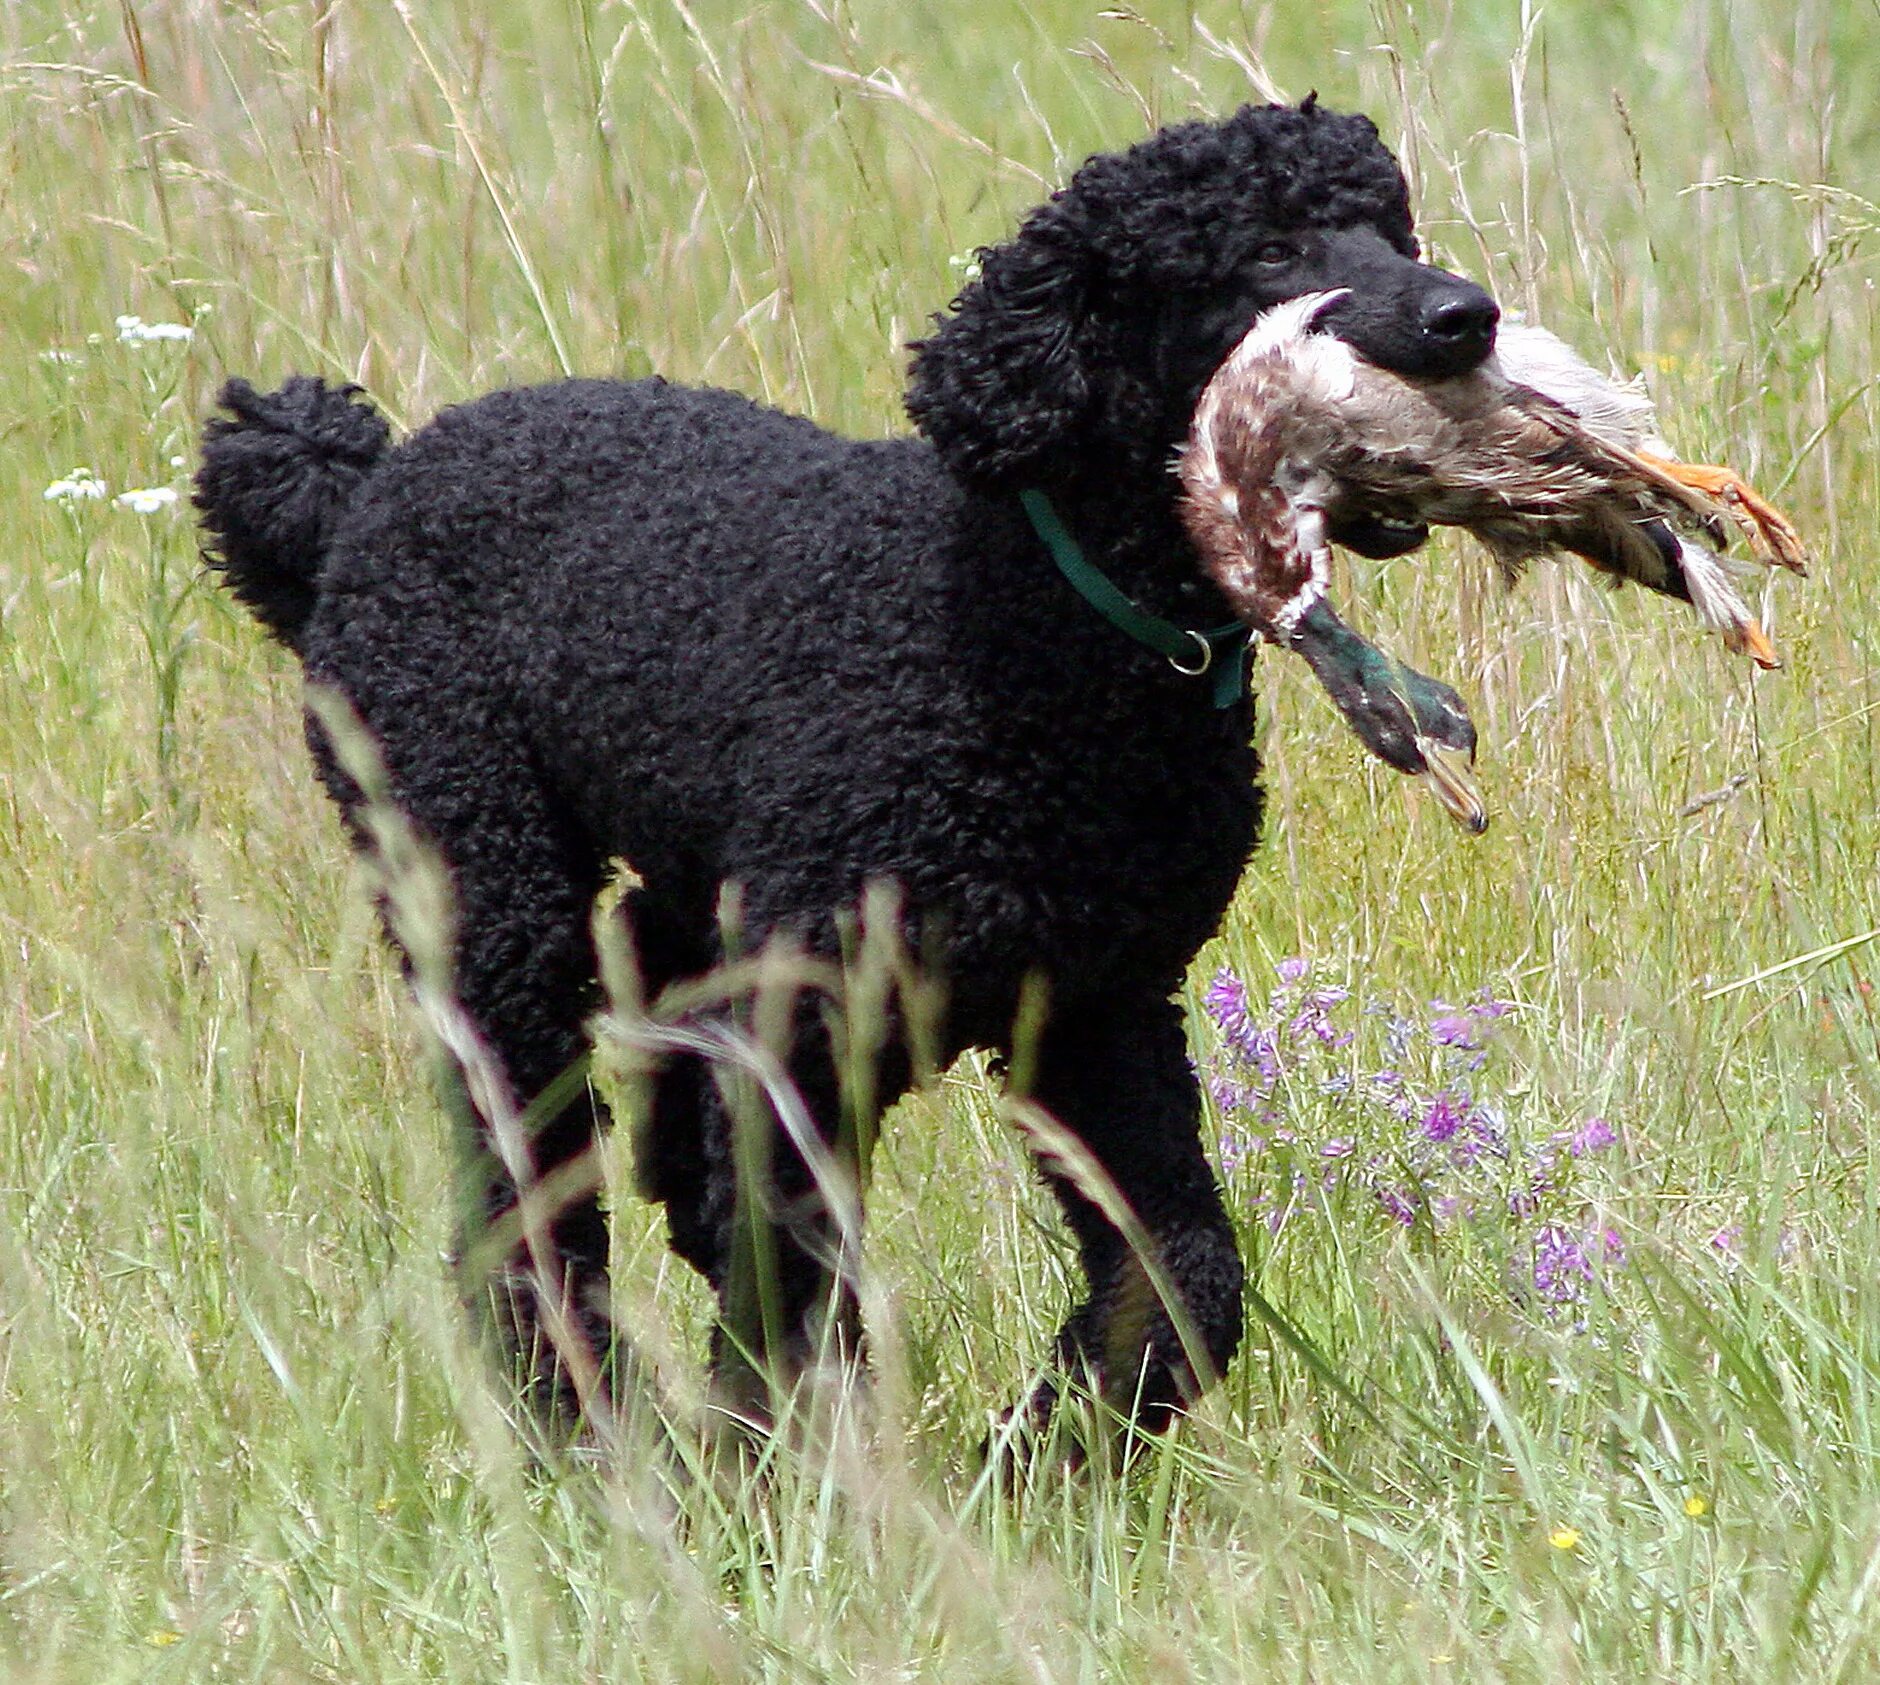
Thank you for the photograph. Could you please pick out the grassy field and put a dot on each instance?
(1608, 1407)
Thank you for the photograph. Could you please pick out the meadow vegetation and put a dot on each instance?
(1555, 1157)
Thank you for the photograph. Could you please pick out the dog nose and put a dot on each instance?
(1462, 322)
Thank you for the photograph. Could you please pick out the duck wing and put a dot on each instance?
(1630, 533)
(1622, 414)
(1529, 477)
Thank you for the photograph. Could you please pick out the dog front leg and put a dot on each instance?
(1164, 1313)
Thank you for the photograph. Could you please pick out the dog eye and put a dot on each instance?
(1274, 252)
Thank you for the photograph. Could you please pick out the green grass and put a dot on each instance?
(242, 1435)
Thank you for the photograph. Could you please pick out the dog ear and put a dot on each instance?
(1001, 386)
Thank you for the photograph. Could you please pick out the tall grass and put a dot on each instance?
(241, 1432)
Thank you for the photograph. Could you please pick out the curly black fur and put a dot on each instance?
(272, 486)
(1027, 368)
(599, 620)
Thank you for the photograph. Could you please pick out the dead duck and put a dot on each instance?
(1533, 452)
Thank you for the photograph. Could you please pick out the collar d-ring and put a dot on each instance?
(1205, 661)
(1174, 643)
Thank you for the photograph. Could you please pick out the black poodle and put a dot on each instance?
(608, 621)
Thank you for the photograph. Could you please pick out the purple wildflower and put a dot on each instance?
(1486, 1132)
(1322, 1001)
(1442, 1120)
(1226, 1001)
(1311, 1023)
(1398, 1204)
(1293, 970)
(1340, 1146)
(1453, 1030)
(1264, 1052)
(1246, 1042)
(1311, 1016)
(1593, 1136)
(1562, 1269)
(1229, 1096)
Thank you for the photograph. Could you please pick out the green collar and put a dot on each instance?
(1222, 650)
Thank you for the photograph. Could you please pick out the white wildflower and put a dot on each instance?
(146, 500)
(76, 487)
(134, 330)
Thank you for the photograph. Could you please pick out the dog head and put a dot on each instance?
(1086, 339)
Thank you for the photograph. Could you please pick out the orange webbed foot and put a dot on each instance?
(1771, 534)
(1751, 640)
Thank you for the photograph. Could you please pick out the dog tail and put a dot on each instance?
(273, 483)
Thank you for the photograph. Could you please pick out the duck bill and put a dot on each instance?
(1454, 786)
